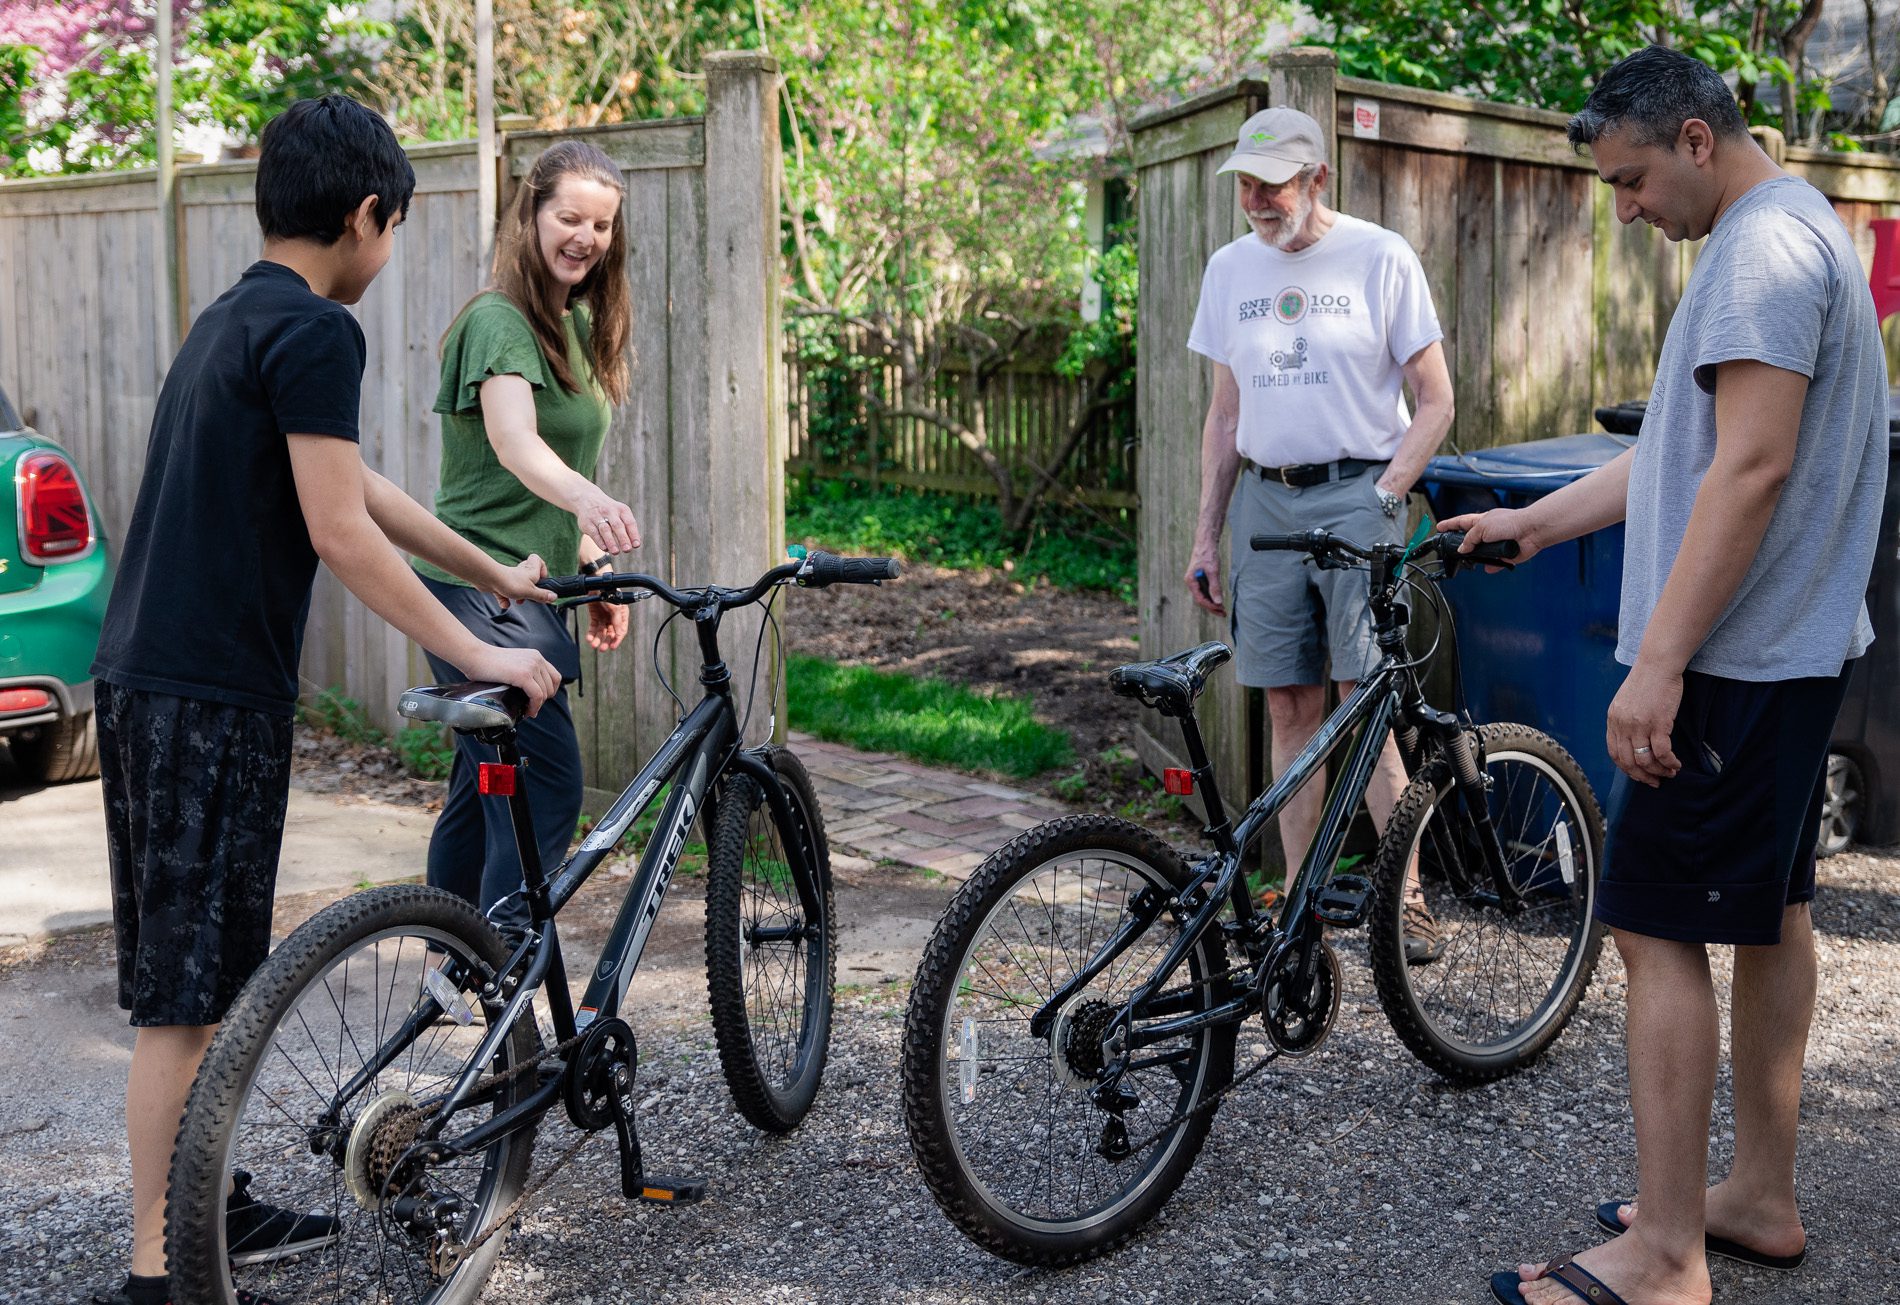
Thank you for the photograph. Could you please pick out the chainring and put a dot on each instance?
(1299, 1014)
(590, 1086)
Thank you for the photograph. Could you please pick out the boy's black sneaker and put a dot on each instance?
(256, 1233)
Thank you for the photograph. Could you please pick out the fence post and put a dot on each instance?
(739, 511)
(1302, 78)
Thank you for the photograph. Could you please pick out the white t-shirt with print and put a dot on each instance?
(1317, 340)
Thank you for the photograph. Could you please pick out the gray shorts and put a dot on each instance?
(1286, 614)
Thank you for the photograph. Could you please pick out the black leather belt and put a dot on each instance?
(1302, 474)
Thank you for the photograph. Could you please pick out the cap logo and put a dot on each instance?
(1262, 137)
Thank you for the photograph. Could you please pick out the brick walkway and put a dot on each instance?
(881, 809)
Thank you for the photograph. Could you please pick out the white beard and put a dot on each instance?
(1288, 229)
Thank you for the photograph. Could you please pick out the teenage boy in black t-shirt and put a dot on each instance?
(252, 475)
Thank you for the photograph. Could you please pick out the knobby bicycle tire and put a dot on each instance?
(1508, 981)
(770, 969)
(271, 1069)
(981, 950)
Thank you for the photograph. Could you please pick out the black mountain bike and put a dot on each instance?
(385, 1066)
(1071, 1030)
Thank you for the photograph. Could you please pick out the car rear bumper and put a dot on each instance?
(49, 635)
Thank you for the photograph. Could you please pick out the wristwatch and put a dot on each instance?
(594, 567)
(1388, 500)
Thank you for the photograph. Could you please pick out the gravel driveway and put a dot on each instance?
(1351, 1176)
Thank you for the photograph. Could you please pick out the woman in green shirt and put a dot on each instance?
(529, 370)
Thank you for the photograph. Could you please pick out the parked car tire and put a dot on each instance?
(59, 752)
(1843, 805)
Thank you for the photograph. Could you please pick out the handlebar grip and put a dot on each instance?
(564, 586)
(823, 569)
(1301, 543)
(1495, 551)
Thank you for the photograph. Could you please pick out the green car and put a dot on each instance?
(54, 577)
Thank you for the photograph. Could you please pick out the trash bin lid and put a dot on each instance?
(1536, 465)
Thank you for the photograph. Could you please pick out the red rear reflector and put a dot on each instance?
(496, 780)
(1178, 782)
(54, 523)
(12, 700)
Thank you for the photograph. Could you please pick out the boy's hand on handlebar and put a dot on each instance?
(607, 626)
(1203, 582)
(1489, 527)
(605, 520)
(520, 583)
(524, 668)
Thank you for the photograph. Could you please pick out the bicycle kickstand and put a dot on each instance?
(635, 1183)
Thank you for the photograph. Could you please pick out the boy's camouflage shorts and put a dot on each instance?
(195, 794)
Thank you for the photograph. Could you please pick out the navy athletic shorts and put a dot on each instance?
(195, 796)
(1717, 853)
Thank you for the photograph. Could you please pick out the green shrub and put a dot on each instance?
(426, 751)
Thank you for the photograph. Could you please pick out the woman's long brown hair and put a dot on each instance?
(522, 273)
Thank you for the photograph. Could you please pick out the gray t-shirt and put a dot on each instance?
(1778, 282)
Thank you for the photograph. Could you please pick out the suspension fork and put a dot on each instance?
(1467, 773)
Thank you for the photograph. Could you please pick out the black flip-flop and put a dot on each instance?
(1508, 1289)
(1722, 1246)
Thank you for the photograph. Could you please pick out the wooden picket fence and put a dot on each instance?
(835, 430)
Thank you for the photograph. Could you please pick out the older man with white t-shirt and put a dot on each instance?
(1313, 320)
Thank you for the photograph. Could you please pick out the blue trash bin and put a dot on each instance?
(1538, 645)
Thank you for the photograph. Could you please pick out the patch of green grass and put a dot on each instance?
(1071, 549)
(926, 720)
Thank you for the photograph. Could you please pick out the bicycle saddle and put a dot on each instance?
(469, 706)
(1172, 684)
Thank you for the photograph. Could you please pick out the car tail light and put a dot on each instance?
(18, 700)
(55, 525)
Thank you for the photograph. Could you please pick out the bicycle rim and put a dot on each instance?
(1020, 1121)
(329, 1027)
(1506, 977)
(769, 961)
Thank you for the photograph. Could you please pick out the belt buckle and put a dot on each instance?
(1281, 473)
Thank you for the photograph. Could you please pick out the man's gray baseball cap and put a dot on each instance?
(1275, 144)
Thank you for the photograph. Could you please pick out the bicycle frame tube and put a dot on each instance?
(705, 740)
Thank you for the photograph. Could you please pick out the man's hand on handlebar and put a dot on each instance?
(1203, 582)
(524, 668)
(1491, 527)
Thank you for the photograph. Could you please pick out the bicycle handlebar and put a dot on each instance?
(815, 570)
(1324, 545)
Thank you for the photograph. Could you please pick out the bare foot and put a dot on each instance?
(1626, 1269)
(1772, 1229)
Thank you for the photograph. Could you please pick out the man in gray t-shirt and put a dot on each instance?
(1752, 499)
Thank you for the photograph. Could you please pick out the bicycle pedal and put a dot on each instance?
(671, 1191)
(1344, 901)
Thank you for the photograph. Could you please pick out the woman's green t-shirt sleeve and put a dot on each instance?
(490, 339)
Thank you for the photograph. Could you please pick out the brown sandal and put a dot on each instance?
(1508, 1289)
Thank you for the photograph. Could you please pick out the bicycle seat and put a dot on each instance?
(470, 706)
(1172, 684)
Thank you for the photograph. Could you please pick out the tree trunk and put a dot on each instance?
(1794, 47)
(1879, 94)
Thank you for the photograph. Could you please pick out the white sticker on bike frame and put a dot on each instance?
(1566, 855)
(606, 835)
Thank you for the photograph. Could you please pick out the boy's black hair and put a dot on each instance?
(1653, 92)
(319, 160)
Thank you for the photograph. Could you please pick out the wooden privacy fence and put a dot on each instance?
(836, 431)
(699, 444)
(1550, 307)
